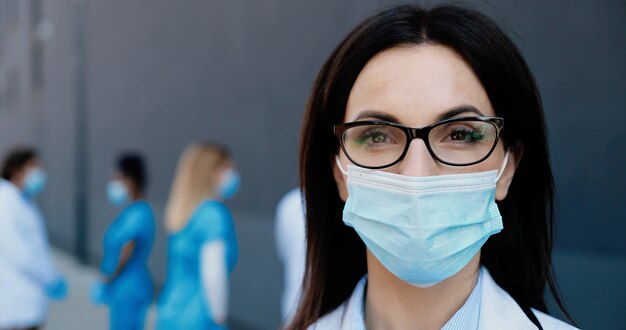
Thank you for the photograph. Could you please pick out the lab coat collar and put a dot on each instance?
(498, 310)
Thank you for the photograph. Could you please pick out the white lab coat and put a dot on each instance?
(497, 311)
(290, 238)
(26, 267)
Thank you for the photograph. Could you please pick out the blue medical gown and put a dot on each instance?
(130, 293)
(182, 304)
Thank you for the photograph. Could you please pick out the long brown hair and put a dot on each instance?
(519, 258)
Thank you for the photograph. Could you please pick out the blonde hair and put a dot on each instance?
(195, 181)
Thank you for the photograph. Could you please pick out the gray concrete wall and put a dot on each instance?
(160, 74)
(17, 100)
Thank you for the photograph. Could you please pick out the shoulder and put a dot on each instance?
(8, 192)
(140, 207)
(4, 186)
(13, 205)
(290, 220)
(210, 214)
(549, 322)
(138, 210)
(330, 321)
(499, 310)
(212, 208)
(290, 210)
(349, 315)
(291, 200)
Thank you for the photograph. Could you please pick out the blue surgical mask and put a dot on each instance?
(229, 186)
(422, 229)
(34, 182)
(117, 193)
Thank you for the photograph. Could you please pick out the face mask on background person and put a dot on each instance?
(422, 229)
(34, 182)
(230, 184)
(117, 192)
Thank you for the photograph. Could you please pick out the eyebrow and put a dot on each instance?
(392, 119)
(378, 115)
(457, 111)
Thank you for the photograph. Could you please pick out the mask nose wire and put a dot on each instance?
(340, 166)
(503, 167)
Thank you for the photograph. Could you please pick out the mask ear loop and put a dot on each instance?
(503, 167)
(340, 166)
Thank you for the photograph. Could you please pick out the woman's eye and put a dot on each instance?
(373, 138)
(466, 135)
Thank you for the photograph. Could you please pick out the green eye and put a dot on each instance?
(466, 135)
(372, 138)
(476, 135)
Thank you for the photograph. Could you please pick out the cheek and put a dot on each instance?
(340, 179)
(343, 191)
(494, 162)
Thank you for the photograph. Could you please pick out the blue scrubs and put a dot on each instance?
(182, 304)
(130, 293)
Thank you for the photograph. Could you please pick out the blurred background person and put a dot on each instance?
(127, 288)
(28, 277)
(289, 233)
(202, 244)
(82, 79)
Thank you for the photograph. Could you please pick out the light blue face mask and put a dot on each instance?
(34, 182)
(117, 193)
(230, 184)
(422, 229)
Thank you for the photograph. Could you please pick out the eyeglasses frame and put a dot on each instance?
(418, 133)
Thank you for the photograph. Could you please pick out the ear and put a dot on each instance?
(340, 180)
(502, 187)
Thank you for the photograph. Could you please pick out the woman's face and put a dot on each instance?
(128, 182)
(223, 169)
(416, 86)
(21, 174)
(221, 172)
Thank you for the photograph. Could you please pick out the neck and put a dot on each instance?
(135, 196)
(18, 182)
(391, 303)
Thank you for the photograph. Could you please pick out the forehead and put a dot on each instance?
(416, 84)
(33, 162)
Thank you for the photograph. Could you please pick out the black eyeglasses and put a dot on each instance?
(457, 141)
